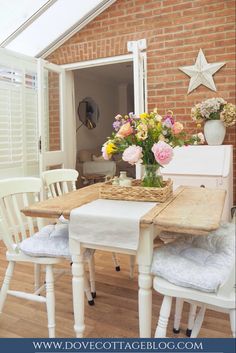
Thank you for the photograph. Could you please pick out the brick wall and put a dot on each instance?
(175, 31)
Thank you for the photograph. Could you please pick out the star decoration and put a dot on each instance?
(201, 72)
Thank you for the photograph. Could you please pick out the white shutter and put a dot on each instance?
(18, 117)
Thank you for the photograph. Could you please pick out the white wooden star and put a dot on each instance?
(201, 72)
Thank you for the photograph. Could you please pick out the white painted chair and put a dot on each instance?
(17, 230)
(199, 270)
(59, 182)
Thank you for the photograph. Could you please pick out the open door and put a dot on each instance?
(140, 82)
(139, 71)
(51, 104)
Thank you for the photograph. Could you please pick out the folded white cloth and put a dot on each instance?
(101, 167)
(109, 222)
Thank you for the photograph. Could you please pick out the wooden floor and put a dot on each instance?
(114, 314)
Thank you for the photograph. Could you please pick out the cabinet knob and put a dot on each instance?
(202, 186)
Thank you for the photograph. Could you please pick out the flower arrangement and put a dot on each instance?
(198, 139)
(146, 138)
(214, 109)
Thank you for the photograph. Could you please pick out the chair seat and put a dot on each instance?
(51, 241)
(199, 262)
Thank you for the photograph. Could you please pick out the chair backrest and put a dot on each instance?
(15, 194)
(60, 181)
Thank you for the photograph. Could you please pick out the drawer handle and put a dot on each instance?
(202, 186)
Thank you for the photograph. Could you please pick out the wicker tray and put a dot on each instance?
(136, 192)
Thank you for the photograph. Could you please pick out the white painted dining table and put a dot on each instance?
(191, 210)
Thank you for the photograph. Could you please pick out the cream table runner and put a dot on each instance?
(109, 222)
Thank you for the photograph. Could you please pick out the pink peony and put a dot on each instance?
(125, 130)
(104, 152)
(177, 128)
(163, 152)
(132, 154)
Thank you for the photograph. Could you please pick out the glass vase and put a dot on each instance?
(151, 176)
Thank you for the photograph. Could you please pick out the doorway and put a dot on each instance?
(111, 88)
(121, 82)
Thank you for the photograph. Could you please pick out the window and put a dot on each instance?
(18, 121)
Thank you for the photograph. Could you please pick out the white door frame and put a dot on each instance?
(139, 89)
(139, 59)
(98, 62)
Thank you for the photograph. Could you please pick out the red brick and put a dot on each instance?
(175, 31)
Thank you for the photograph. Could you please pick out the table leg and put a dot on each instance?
(145, 302)
(144, 258)
(77, 287)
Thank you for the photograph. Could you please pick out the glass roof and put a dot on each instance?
(32, 27)
(14, 13)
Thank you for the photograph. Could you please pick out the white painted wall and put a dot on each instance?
(106, 96)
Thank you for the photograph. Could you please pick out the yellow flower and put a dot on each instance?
(142, 127)
(158, 117)
(143, 116)
(159, 127)
(199, 126)
(142, 132)
(142, 135)
(151, 123)
(161, 138)
(111, 148)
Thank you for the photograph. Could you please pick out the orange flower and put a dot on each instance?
(125, 130)
(177, 127)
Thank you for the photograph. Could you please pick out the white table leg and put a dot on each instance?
(145, 302)
(77, 287)
(144, 258)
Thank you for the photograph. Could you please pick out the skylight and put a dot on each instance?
(50, 26)
(14, 13)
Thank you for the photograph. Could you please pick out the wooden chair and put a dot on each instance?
(218, 295)
(59, 182)
(17, 229)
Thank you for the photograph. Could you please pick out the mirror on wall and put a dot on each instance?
(88, 113)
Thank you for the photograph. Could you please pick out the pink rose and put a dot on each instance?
(125, 130)
(163, 152)
(132, 154)
(177, 128)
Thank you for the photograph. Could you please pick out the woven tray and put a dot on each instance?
(136, 192)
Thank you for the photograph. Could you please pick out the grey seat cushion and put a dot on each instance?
(199, 262)
(51, 241)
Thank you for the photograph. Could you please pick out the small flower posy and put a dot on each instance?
(147, 138)
(214, 109)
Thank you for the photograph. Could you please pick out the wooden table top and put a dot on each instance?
(194, 210)
(189, 209)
